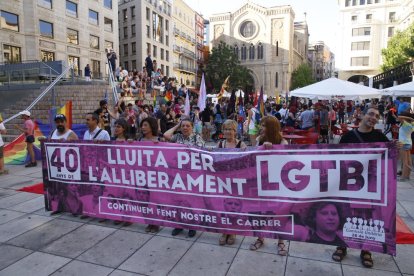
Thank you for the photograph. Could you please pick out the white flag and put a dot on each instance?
(187, 104)
(203, 95)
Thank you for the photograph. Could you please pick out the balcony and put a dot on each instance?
(199, 46)
(177, 49)
(189, 53)
(183, 35)
(176, 32)
(184, 68)
(193, 41)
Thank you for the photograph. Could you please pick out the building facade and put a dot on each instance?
(184, 48)
(322, 61)
(199, 48)
(145, 27)
(266, 40)
(365, 27)
(78, 32)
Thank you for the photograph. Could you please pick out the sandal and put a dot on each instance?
(222, 240)
(148, 228)
(231, 239)
(366, 259)
(281, 249)
(155, 228)
(256, 245)
(339, 254)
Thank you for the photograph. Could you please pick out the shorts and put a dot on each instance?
(253, 131)
(30, 139)
(1, 152)
(323, 130)
(406, 147)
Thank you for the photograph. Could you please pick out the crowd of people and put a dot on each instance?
(230, 123)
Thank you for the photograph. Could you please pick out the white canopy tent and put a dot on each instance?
(334, 88)
(402, 90)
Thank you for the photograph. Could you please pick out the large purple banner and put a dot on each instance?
(341, 195)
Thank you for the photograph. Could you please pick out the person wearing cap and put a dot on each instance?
(28, 130)
(62, 132)
(95, 133)
(404, 137)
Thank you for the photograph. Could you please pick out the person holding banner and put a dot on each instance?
(230, 133)
(121, 130)
(366, 133)
(270, 134)
(94, 132)
(120, 134)
(186, 137)
(62, 132)
(149, 130)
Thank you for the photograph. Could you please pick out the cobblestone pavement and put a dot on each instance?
(32, 242)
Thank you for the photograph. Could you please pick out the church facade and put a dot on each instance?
(268, 41)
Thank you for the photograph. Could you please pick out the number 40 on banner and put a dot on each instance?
(64, 163)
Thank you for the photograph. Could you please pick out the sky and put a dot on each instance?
(321, 15)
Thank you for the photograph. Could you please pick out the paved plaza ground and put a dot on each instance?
(32, 242)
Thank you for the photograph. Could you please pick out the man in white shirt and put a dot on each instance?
(62, 132)
(94, 132)
(283, 114)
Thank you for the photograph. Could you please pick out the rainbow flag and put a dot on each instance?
(15, 152)
(260, 103)
(65, 110)
(168, 96)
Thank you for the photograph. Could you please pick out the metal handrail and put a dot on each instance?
(50, 68)
(43, 93)
(112, 83)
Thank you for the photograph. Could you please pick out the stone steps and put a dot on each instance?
(85, 98)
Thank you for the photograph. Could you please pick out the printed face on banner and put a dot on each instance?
(328, 194)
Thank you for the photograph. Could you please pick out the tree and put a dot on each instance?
(302, 76)
(400, 49)
(222, 63)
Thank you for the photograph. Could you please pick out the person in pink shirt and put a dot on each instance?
(28, 130)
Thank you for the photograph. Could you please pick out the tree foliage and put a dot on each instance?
(302, 76)
(400, 49)
(222, 63)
